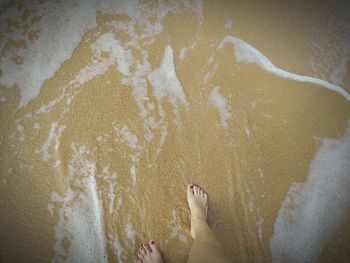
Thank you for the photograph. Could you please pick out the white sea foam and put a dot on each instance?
(117, 246)
(122, 55)
(126, 135)
(98, 66)
(164, 79)
(61, 28)
(129, 137)
(107, 42)
(176, 229)
(130, 232)
(184, 50)
(80, 214)
(260, 225)
(248, 54)
(92, 70)
(55, 133)
(220, 102)
(166, 83)
(312, 211)
(109, 191)
(228, 24)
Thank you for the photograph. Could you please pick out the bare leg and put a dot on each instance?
(205, 247)
(149, 253)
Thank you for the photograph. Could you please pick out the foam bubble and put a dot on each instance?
(260, 225)
(118, 248)
(55, 133)
(166, 83)
(176, 229)
(130, 232)
(133, 142)
(183, 52)
(80, 214)
(312, 211)
(61, 28)
(108, 43)
(220, 102)
(129, 137)
(248, 54)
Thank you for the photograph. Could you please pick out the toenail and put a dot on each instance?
(142, 248)
(191, 186)
(152, 242)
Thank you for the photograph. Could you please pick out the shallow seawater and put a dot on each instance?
(110, 108)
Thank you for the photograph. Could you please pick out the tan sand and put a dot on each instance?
(247, 174)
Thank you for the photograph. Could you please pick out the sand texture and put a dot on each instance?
(108, 109)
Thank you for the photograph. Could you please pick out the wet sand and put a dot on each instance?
(99, 160)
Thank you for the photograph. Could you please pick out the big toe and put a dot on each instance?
(190, 189)
(153, 245)
(156, 254)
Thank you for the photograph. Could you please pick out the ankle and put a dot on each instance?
(199, 223)
(201, 229)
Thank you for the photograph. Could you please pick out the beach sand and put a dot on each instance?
(107, 114)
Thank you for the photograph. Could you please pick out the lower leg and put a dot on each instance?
(205, 247)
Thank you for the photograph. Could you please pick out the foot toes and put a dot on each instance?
(190, 188)
(147, 248)
(152, 245)
(140, 255)
(197, 190)
(143, 251)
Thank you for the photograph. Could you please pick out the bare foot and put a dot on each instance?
(149, 253)
(198, 203)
